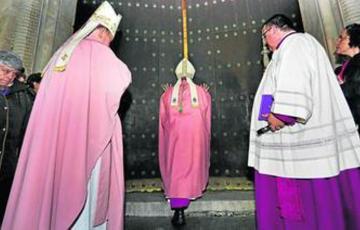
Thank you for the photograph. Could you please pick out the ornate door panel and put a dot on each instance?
(224, 46)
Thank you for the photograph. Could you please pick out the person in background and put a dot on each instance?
(307, 174)
(348, 44)
(70, 172)
(34, 80)
(16, 101)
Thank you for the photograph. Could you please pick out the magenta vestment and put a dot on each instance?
(74, 122)
(184, 143)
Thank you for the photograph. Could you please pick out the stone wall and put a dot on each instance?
(35, 28)
(57, 20)
(8, 12)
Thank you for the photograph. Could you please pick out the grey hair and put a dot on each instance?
(11, 60)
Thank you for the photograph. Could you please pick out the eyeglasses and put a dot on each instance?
(265, 32)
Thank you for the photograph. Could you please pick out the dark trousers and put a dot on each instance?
(5, 186)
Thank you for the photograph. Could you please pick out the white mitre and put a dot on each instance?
(104, 15)
(187, 70)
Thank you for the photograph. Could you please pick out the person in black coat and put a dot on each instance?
(348, 44)
(16, 101)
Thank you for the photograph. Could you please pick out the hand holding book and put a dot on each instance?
(275, 121)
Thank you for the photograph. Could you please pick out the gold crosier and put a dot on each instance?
(184, 62)
(185, 35)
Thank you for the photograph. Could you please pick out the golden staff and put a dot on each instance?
(185, 35)
(185, 66)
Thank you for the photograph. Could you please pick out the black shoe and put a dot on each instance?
(179, 217)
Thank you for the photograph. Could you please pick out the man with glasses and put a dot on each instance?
(307, 169)
(16, 100)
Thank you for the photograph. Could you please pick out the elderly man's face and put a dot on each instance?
(7, 75)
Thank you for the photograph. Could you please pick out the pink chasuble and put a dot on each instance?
(184, 143)
(73, 123)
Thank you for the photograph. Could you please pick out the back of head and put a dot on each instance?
(34, 80)
(280, 21)
(101, 34)
(34, 77)
(104, 16)
(353, 30)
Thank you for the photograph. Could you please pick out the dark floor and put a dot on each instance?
(192, 223)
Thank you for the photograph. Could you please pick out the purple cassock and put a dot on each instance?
(329, 203)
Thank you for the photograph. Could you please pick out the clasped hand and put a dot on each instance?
(275, 124)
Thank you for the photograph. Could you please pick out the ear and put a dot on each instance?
(274, 29)
(102, 33)
(106, 34)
